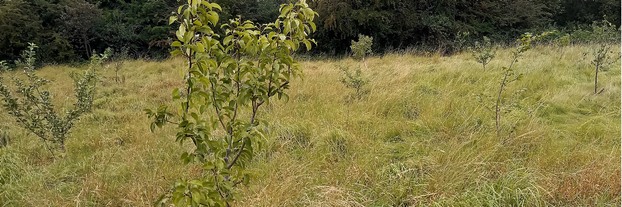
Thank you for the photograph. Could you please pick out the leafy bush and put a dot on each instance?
(361, 48)
(228, 78)
(32, 106)
(483, 52)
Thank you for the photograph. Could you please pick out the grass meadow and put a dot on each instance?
(423, 136)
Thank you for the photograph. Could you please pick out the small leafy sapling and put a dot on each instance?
(356, 81)
(28, 57)
(229, 75)
(604, 34)
(483, 52)
(460, 41)
(362, 48)
(509, 75)
(31, 105)
(117, 69)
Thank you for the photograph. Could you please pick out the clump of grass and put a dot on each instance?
(337, 146)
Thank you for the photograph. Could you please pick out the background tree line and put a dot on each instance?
(69, 30)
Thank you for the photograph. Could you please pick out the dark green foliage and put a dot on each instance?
(69, 30)
(427, 23)
(31, 105)
(139, 27)
(259, 11)
(569, 13)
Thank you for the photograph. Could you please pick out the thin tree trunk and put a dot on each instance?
(596, 79)
(498, 104)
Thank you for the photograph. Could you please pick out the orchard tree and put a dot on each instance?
(228, 78)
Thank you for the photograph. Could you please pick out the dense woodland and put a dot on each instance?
(69, 30)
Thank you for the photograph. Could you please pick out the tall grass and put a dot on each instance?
(420, 137)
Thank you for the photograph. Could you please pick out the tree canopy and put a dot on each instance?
(69, 30)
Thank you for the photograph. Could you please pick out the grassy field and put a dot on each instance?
(424, 135)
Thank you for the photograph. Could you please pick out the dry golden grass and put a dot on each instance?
(420, 137)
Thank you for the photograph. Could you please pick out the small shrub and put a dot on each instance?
(32, 107)
(355, 81)
(460, 41)
(362, 47)
(28, 56)
(483, 52)
(604, 34)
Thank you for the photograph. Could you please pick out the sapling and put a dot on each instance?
(229, 75)
(362, 48)
(483, 52)
(31, 105)
(509, 75)
(604, 33)
(460, 41)
(355, 81)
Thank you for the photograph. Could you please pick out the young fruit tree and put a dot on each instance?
(229, 75)
(483, 52)
(604, 34)
(356, 81)
(362, 48)
(32, 106)
(524, 43)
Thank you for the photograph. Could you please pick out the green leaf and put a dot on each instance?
(200, 47)
(172, 19)
(176, 95)
(213, 17)
(286, 9)
(307, 44)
